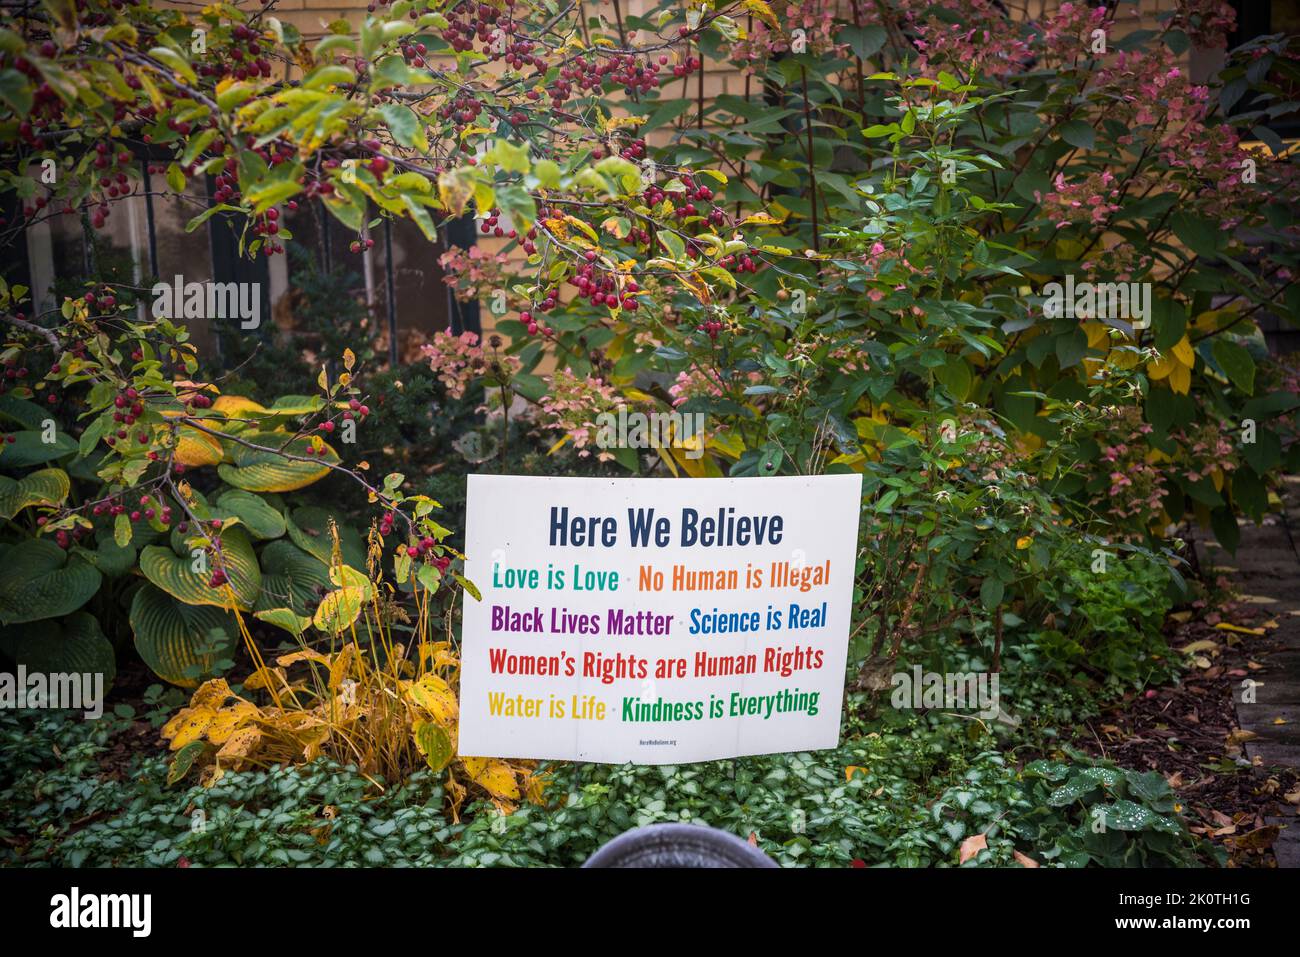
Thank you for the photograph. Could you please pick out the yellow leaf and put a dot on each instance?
(230, 720)
(761, 10)
(1024, 542)
(1224, 626)
(211, 694)
(494, 776)
(1180, 380)
(1097, 333)
(341, 668)
(1160, 368)
(188, 726)
(1183, 352)
(237, 407)
(195, 449)
(436, 697)
(240, 745)
(762, 219)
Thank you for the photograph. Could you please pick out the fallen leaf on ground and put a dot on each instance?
(972, 846)
(1225, 626)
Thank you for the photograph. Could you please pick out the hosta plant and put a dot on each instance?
(367, 686)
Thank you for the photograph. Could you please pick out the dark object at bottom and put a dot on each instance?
(678, 845)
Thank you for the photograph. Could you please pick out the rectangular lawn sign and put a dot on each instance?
(656, 621)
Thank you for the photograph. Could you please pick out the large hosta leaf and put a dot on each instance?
(27, 449)
(243, 413)
(109, 557)
(309, 528)
(258, 471)
(291, 579)
(26, 413)
(46, 487)
(178, 577)
(261, 520)
(72, 645)
(196, 449)
(173, 637)
(38, 580)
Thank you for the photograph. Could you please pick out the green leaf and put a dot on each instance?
(16, 92)
(38, 580)
(72, 645)
(865, 42)
(268, 471)
(309, 529)
(46, 487)
(173, 637)
(26, 413)
(1199, 235)
(1078, 134)
(291, 578)
(186, 578)
(405, 125)
(184, 761)
(261, 520)
(28, 449)
(1236, 364)
(285, 618)
(435, 744)
(991, 592)
(169, 57)
(122, 530)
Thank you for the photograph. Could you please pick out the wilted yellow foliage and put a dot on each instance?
(370, 703)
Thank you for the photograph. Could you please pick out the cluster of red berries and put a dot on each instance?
(267, 226)
(275, 152)
(601, 289)
(519, 53)
(634, 150)
(492, 225)
(742, 264)
(480, 21)
(422, 547)
(245, 57)
(710, 327)
(533, 326)
(13, 371)
(414, 53)
(128, 407)
(464, 110)
(46, 105)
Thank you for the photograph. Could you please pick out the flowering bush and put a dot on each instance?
(848, 267)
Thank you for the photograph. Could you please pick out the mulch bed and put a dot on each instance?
(1188, 732)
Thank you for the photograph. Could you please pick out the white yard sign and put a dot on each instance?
(656, 621)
